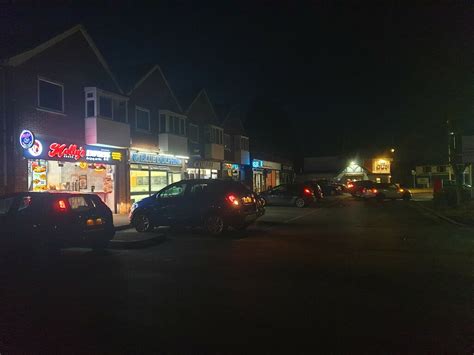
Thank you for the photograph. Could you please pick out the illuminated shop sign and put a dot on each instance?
(231, 166)
(43, 148)
(27, 139)
(154, 159)
(381, 166)
(265, 164)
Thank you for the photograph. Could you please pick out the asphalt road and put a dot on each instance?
(350, 276)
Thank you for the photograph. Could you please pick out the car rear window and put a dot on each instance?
(237, 188)
(5, 205)
(78, 203)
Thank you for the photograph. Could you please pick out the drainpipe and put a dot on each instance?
(4, 128)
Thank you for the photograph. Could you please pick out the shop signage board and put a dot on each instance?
(207, 164)
(154, 159)
(262, 164)
(381, 166)
(230, 166)
(49, 149)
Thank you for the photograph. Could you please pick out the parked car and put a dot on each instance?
(382, 191)
(49, 221)
(299, 195)
(317, 189)
(355, 188)
(211, 204)
(329, 188)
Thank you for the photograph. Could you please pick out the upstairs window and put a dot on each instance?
(227, 142)
(163, 123)
(50, 95)
(105, 106)
(216, 135)
(142, 119)
(193, 133)
(441, 169)
(427, 169)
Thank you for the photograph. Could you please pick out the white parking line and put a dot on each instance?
(298, 217)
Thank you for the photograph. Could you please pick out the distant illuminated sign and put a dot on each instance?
(381, 166)
(231, 166)
(37, 149)
(257, 163)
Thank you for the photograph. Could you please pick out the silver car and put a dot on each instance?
(382, 191)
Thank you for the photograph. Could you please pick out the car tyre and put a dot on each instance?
(300, 203)
(142, 223)
(406, 197)
(214, 225)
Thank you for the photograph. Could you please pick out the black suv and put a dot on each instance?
(211, 204)
(54, 220)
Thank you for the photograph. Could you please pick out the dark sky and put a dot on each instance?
(349, 74)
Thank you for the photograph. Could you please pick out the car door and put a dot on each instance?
(393, 191)
(279, 195)
(170, 204)
(287, 194)
(197, 200)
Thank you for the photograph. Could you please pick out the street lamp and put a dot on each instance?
(392, 150)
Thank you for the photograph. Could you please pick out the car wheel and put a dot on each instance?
(214, 224)
(406, 197)
(142, 223)
(300, 202)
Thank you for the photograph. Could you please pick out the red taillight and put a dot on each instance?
(350, 185)
(364, 190)
(61, 206)
(374, 191)
(307, 191)
(233, 200)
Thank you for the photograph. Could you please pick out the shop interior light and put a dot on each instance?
(182, 157)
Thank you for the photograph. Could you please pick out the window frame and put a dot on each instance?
(139, 108)
(40, 78)
(197, 133)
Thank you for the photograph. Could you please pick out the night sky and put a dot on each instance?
(338, 76)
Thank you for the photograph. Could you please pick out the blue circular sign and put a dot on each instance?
(27, 139)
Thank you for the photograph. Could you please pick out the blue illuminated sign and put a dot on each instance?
(155, 159)
(257, 163)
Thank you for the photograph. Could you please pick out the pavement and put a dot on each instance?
(346, 276)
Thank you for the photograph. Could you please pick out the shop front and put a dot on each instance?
(56, 165)
(203, 169)
(150, 172)
(231, 171)
(266, 174)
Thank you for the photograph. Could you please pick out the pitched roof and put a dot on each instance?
(201, 110)
(147, 74)
(233, 122)
(24, 56)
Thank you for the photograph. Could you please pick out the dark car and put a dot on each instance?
(55, 220)
(317, 189)
(211, 204)
(356, 188)
(299, 195)
(329, 187)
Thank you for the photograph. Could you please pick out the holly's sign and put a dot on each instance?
(48, 149)
(71, 151)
